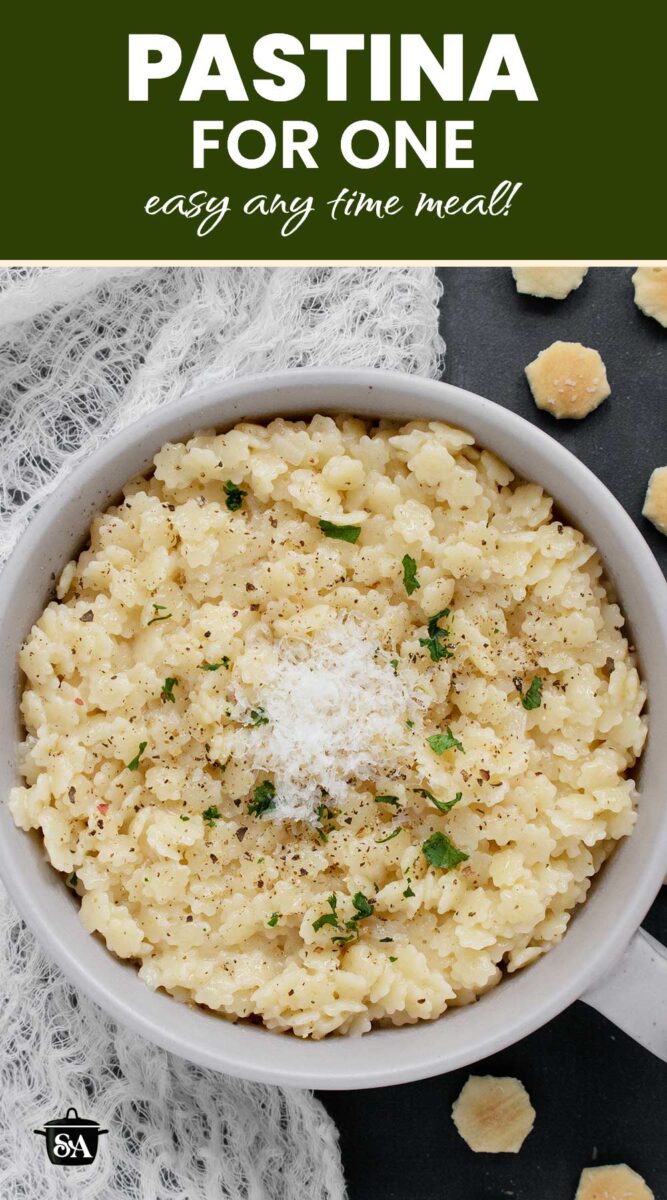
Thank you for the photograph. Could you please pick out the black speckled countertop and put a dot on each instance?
(600, 1098)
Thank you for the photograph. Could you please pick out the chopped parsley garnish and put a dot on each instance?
(436, 642)
(364, 909)
(410, 724)
(342, 939)
(388, 837)
(343, 533)
(73, 880)
(168, 686)
(440, 852)
(224, 662)
(363, 905)
(212, 814)
(424, 792)
(394, 664)
(442, 805)
(386, 939)
(433, 627)
(134, 765)
(157, 609)
(440, 742)
(329, 918)
(258, 716)
(410, 581)
(234, 494)
(263, 800)
(533, 697)
(408, 893)
(182, 818)
(393, 958)
(325, 816)
(388, 800)
(273, 919)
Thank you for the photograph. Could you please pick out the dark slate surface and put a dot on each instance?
(599, 1097)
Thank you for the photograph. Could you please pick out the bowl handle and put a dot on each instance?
(633, 993)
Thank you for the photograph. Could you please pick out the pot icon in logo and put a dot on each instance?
(71, 1141)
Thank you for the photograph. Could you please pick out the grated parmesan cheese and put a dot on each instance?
(337, 712)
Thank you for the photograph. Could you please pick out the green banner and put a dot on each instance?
(436, 132)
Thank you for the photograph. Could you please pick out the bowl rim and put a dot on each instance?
(326, 1063)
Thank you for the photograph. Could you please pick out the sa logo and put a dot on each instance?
(71, 1141)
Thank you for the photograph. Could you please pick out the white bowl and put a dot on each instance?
(601, 929)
